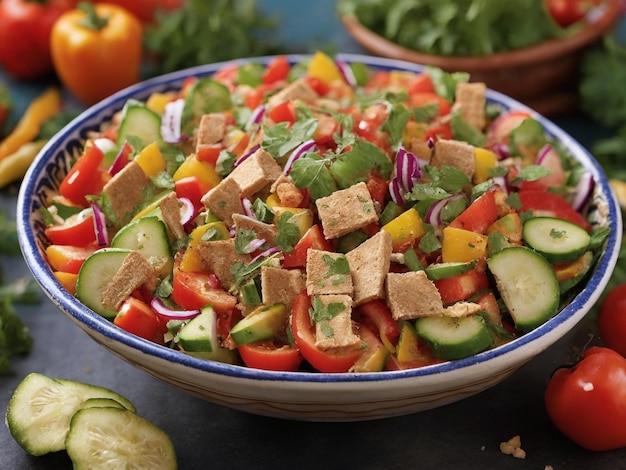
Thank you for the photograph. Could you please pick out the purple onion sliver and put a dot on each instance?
(170, 314)
(119, 161)
(247, 208)
(265, 254)
(255, 117)
(247, 155)
(346, 73)
(543, 154)
(300, 150)
(583, 191)
(187, 210)
(502, 182)
(99, 225)
(254, 245)
(172, 120)
(395, 192)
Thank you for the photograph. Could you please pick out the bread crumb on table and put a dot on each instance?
(513, 447)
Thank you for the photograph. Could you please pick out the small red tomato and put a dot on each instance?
(612, 319)
(568, 12)
(587, 402)
(25, 36)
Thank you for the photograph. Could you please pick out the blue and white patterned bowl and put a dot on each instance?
(298, 395)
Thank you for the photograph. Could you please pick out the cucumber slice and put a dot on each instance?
(558, 240)
(204, 97)
(438, 271)
(95, 275)
(260, 325)
(116, 438)
(39, 412)
(454, 338)
(200, 334)
(148, 236)
(527, 284)
(140, 122)
(101, 403)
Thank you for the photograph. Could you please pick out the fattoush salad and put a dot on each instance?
(316, 215)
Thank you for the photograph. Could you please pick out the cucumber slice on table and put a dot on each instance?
(454, 338)
(527, 284)
(558, 240)
(39, 412)
(112, 438)
(95, 275)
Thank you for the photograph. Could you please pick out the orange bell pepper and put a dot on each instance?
(96, 50)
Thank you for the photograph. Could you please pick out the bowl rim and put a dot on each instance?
(605, 18)
(87, 319)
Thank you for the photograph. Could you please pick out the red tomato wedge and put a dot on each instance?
(304, 335)
(269, 356)
(545, 203)
(138, 318)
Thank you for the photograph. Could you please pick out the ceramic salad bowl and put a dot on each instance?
(301, 395)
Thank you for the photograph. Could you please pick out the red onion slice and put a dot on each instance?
(300, 150)
(433, 215)
(168, 313)
(346, 73)
(265, 254)
(99, 225)
(172, 120)
(120, 160)
(583, 191)
(395, 191)
(255, 117)
(247, 208)
(187, 210)
(247, 155)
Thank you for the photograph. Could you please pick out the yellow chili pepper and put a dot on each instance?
(39, 110)
(96, 50)
(14, 166)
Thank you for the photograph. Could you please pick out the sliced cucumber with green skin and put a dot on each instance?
(260, 325)
(454, 338)
(558, 240)
(148, 236)
(200, 333)
(204, 97)
(101, 403)
(527, 284)
(116, 438)
(95, 275)
(140, 122)
(39, 412)
(437, 271)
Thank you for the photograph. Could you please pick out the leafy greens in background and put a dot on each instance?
(457, 27)
(204, 32)
(15, 338)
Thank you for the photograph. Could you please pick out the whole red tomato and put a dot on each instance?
(25, 27)
(587, 402)
(568, 12)
(612, 319)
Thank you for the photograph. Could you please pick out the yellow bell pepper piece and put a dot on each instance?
(67, 280)
(407, 227)
(272, 201)
(151, 160)
(38, 111)
(408, 349)
(14, 166)
(157, 101)
(323, 68)
(194, 167)
(486, 160)
(191, 262)
(303, 218)
(460, 245)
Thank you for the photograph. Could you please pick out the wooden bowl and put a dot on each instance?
(543, 76)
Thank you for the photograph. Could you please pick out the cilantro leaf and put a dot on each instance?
(355, 165)
(288, 232)
(311, 171)
(281, 139)
(243, 240)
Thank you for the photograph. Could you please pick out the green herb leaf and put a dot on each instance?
(288, 232)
